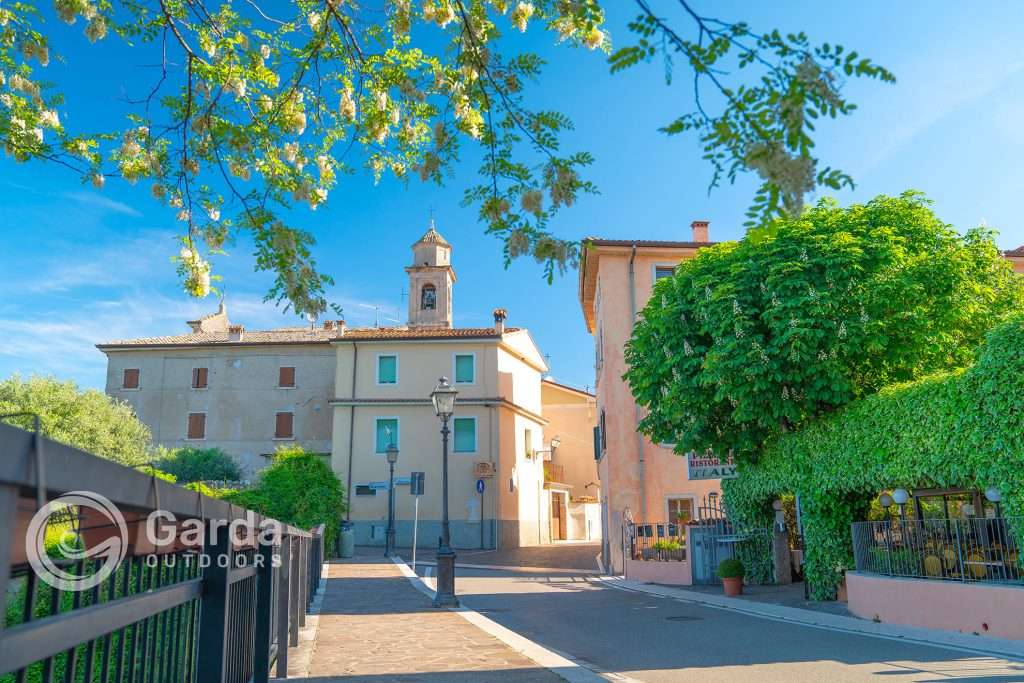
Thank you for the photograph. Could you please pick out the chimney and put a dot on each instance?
(700, 231)
(340, 326)
(236, 333)
(499, 320)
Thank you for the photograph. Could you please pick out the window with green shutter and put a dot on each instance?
(465, 434)
(465, 368)
(387, 433)
(387, 369)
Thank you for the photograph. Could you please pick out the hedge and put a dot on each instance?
(957, 429)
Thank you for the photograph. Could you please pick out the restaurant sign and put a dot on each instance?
(709, 466)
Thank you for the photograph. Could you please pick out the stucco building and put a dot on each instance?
(644, 480)
(349, 393)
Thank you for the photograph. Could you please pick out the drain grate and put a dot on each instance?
(682, 617)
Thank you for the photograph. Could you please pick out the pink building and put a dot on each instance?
(647, 481)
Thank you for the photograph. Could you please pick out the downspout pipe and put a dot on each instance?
(641, 464)
(351, 431)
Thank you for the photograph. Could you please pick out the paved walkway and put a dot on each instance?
(375, 626)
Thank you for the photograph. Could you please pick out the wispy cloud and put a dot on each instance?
(101, 202)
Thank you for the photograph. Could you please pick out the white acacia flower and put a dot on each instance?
(185, 254)
(184, 215)
(98, 181)
(314, 20)
(594, 38)
(521, 15)
(96, 30)
(214, 213)
(265, 51)
(158, 191)
(347, 108)
(291, 151)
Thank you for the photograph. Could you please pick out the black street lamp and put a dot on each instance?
(389, 543)
(443, 398)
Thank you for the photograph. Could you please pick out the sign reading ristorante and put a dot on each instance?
(709, 466)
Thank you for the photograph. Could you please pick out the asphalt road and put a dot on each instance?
(639, 637)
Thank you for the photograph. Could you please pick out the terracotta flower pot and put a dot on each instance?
(733, 585)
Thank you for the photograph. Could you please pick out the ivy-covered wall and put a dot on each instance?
(963, 428)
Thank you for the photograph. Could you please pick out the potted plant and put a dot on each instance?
(732, 571)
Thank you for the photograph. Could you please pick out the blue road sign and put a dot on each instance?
(479, 485)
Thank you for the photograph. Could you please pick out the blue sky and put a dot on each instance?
(82, 266)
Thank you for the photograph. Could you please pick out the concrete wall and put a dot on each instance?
(981, 608)
(571, 417)
(240, 401)
(641, 485)
(650, 571)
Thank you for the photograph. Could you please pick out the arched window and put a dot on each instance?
(428, 298)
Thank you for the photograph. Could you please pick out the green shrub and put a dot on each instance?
(668, 545)
(955, 429)
(298, 488)
(731, 568)
(199, 464)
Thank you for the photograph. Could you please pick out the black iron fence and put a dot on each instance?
(658, 541)
(221, 610)
(973, 549)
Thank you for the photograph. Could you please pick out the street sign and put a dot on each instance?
(479, 485)
(483, 469)
(383, 485)
(416, 483)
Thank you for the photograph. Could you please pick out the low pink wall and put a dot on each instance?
(652, 571)
(983, 608)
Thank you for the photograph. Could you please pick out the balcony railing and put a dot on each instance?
(977, 549)
(657, 541)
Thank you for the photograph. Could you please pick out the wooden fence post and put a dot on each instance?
(213, 613)
(264, 611)
(283, 612)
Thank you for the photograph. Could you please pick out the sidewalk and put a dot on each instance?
(376, 626)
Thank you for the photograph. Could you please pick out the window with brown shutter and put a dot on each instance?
(197, 426)
(200, 378)
(286, 377)
(283, 426)
(130, 379)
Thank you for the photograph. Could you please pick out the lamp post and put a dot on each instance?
(389, 543)
(443, 398)
(900, 497)
(993, 495)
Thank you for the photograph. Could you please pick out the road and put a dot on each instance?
(633, 636)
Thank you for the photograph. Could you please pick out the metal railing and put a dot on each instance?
(974, 549)
(657, 541)
(183, 616)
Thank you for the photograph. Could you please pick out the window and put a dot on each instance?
(200, 378)
(663, 271)
(284, 426)
(196, 426)
(680, 510)
(387, 369)
(465, 434)
(387, 433)
(130, 379)
(428, 298)
(604, 433)
(465, 368)
(528, 442)
(286, 377)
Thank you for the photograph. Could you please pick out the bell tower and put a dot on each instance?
(430, 281)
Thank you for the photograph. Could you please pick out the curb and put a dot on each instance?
(990, 647)
(302, 655)
(510, 568)
(561, 666)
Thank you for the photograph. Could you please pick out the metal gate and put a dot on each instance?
(715, 537)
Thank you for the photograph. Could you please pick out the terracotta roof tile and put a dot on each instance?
(1019, 251)
(598, 242)
(306, 335)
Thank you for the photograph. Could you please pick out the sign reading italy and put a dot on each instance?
(709, 466)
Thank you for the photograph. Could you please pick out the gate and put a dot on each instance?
(715, 537)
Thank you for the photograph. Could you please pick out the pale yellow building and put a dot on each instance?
(350, 392)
